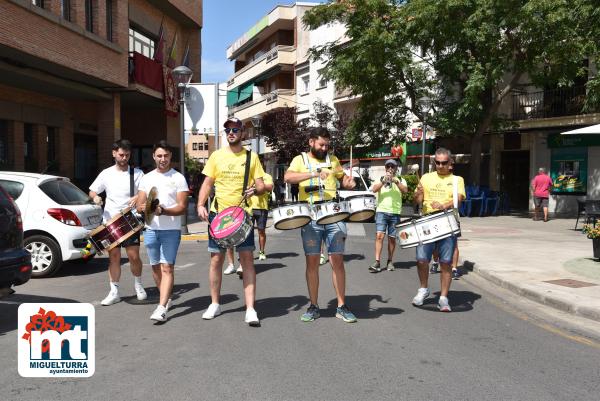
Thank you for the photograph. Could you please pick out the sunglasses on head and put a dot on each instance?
(441, 163)
(234, 130)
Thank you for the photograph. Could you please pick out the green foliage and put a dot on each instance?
(465, 55)
(192, 167)
(411, 182)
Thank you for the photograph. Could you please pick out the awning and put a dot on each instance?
(239, 94)
(592, 129)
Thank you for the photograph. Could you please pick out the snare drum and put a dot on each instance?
(362, 207)
(427, 229)
(117, 230)
(290, 217)
(330, 212)
(231, 227)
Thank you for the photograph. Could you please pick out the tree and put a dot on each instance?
(467, 56)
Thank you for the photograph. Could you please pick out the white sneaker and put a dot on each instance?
(169, 304)
(421, 296)
(230, 269)
(252, 317)
(159, 314)
(213, 311)
(443, 305)
(140, 292)
(111, 298)
(239, 271)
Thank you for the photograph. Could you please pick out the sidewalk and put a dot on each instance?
(523, 255)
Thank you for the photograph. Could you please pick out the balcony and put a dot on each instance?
(145, 75)
(548, 104)
(344, 96)
(283, 57)
(271, 101)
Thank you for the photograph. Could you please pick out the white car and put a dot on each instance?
(57, 218)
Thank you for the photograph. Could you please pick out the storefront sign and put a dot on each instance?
(569, 169)
(563, 141)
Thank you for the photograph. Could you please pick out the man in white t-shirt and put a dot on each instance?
(163, 234)
(120, 182)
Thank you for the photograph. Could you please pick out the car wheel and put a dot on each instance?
(45, 255)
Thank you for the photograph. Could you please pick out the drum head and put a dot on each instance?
(361, 216)
(333, 218)
(292, 223)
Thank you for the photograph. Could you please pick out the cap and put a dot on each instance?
(233, 121)
(392, 162)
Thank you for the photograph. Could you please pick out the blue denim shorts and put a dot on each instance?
(445, 249)
(162, 245)
(213, 247)
(386, 222)
(314, 234)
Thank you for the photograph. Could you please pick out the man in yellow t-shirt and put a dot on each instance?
(260, 213)
(317, 174)
(436, 192)
(225, 171)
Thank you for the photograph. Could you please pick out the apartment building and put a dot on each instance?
(83, 75)
(265, 60)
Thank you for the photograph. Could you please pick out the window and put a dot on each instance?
(13, 188)
(28, 151)
(322, 82)
(3, 144)
(138, 42)
(38, 3)
(89, 15)
(64, 193)
(109, 20)
(194, 146)
(305, 85)
(65, 9)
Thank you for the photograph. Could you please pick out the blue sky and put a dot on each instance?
(224, 22)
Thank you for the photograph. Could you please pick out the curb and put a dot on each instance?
(544, 299)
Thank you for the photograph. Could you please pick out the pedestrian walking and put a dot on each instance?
(435, 192)
(540, 190)
(389, 192)
(120, 182)
(317, 174)
(163, 233)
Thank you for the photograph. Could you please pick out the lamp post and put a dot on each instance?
(424, 105)
(182, 75)
(256, 123)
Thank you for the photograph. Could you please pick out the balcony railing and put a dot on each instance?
(549, 103)
(275, 56)
(145, 71)
(267, 102)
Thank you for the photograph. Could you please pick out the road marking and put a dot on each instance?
(183, 267)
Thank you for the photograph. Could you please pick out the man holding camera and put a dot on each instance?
(389, 192)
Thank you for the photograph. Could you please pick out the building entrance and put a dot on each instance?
(514, 178)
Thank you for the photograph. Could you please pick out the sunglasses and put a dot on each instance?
(441, 163)
(234, 130)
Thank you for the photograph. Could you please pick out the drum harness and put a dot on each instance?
(318, 167)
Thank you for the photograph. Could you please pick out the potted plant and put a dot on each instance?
(593, 232)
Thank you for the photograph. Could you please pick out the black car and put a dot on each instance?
(15, 261)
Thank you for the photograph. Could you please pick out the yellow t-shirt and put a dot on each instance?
(262, 201)
(439, 188)
(330, 183)
(227, 169)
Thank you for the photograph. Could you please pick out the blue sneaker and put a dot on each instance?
(342, 312)
(311, 314)
(456, 274)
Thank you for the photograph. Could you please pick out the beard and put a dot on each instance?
(236, 140)
(319, 154)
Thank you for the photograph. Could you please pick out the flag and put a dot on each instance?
(172, 62)
(158, 50)
(186, 55)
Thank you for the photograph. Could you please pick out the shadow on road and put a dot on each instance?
(282, 255)
(279, 306)
(263, 267)
(460, 301)
(363, 307)
(79, 267)
(9, 307)
(198, 304)
(154, 294)
(405, 264)
(353, 256)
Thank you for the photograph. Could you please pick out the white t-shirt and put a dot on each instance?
(116, 184)
(167, 186)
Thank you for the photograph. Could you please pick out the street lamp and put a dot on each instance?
(182, 75)
(256, 123)
(424, 105)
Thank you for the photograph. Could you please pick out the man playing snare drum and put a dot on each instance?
(120, 182)
(318, 173)
(436, 192)
(225, 169)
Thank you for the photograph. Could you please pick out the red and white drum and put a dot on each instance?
(429, 228)
(117, 230)
(330, 212)
(231, 227)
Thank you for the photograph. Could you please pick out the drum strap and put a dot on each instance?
(131, 181)
(455, 191)
(246, 175)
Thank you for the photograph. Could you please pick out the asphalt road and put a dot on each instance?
(396, 351)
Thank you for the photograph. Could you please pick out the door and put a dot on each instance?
(86, 160)
(514, 178)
